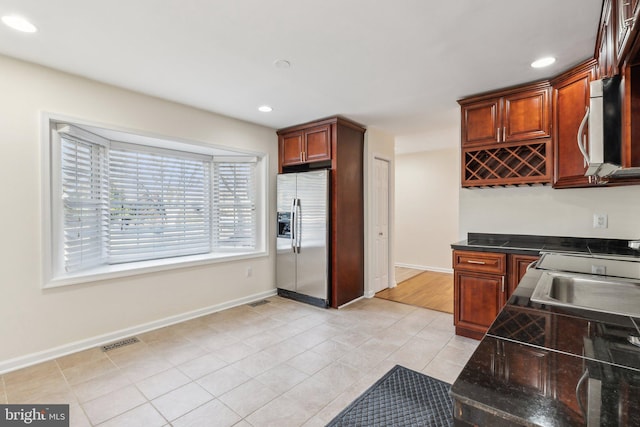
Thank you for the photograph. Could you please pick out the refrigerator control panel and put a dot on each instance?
(284, 224)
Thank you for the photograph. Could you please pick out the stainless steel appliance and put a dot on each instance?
(302, 241)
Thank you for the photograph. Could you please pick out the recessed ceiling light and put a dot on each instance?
(265, 109)
(282, 63)
(19, 23)
(543, 62)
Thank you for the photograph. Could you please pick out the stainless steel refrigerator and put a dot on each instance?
(302, 244)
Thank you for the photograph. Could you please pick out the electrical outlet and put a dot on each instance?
(600, 221)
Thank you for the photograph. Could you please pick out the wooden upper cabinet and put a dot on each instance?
(570, 101)
(291, 148)
(606, 50)
(527, 115)
(517, 115)
(481, 122)
(626, 14)
(317, 145)
(305, 146)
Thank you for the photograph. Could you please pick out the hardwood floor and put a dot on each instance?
(423, 289)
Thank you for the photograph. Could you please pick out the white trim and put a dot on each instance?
(63, 350)
(425, 268)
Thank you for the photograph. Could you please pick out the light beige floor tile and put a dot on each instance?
(416, 353)
(3, 398)
(310, 362)
(351, 337)
(77, 417)
(162, 383)
(282, 378)
(211, 413)
(317, 394)
(263, 340)
(235, 352)
(113, 404)
(35, 388)
(332, 349)
(81, 357)
(177, 354)
(257, 363)
(241, 423)
(129, 354)
(315, 421)
(248, 397)
(284, 351)
(456, 355)
(182, 400)
(142, 416)
(99, 386)
(145, 368)
(35, 372)
(85, 371)
(202, 366)
(443, 369)
(280, 412)
(307, 340)
(223, 380)
(339, 376)
(435, 335)
(217, 340)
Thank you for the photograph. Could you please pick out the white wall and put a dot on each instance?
(426, 208)
(545, 211)
(377, 144)
(35, 320)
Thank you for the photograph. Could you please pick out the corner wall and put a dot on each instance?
(34, 321)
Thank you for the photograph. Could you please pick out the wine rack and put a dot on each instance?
(504, 164)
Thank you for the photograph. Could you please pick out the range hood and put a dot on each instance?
(604, 116)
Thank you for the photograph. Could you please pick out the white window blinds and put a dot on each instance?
(85, 203)
(234, 201)
(125, 202)
(160, 205)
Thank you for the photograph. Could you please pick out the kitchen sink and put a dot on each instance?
(608, 295)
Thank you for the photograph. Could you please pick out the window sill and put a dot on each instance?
(142, 267)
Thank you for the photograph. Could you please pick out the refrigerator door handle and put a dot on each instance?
(299, 226)
(292, 224)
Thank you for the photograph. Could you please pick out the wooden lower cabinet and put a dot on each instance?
(478, 299)
(483, 282)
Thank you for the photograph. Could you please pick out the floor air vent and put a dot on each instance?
(118, 344)
(258, 303)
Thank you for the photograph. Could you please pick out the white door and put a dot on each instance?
(381, 224)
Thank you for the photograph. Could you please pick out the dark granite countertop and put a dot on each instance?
(532, 245)
(542, 365)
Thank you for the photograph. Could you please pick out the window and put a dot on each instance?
(119, 205)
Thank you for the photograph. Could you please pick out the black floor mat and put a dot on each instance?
(402, 397)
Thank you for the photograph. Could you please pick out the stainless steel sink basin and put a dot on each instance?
(606, 295)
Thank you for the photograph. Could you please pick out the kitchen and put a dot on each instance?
(520, 210)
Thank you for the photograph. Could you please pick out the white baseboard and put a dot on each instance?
(63, 350)
(425, 268)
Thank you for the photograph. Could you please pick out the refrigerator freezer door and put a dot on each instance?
(311, 227)
(285, 256)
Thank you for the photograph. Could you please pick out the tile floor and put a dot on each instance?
(278, 364)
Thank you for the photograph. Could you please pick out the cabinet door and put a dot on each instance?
(606, 47)
(317, 144)
(478, 299)
(570, 101)
(526, 115)
(291, 148)
(517, 268)
(624, 23)
(481, 122)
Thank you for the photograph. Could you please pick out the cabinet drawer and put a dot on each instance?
(485, 262)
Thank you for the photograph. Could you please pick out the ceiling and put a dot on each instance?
(397, 65)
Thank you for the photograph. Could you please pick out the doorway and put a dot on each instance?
(381, 214)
